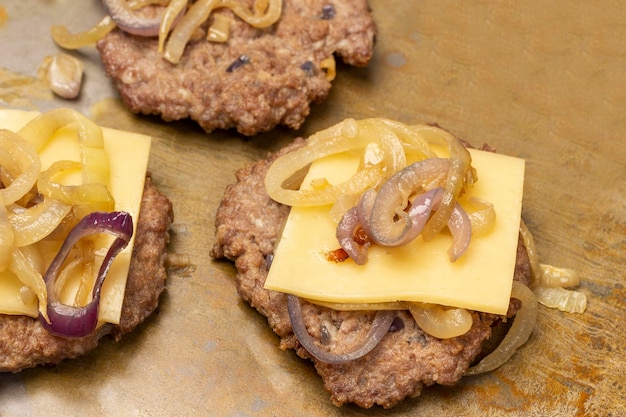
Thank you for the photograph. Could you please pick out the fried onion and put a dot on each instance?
(518, 334)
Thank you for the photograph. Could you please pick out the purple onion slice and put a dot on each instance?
(80, 321)
(378, 330)
(346, 229)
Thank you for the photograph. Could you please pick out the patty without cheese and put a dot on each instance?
(248, 224)
(24, 343)
(277, 85)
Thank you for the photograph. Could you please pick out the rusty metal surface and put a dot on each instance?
(538, 80)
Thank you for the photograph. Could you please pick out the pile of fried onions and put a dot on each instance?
(37, 211)
(175, 22)
(401, 180)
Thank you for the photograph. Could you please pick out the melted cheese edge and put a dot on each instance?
(421, 271)
(128, 158)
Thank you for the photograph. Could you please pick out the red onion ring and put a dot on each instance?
(71, 321)
(380, 327)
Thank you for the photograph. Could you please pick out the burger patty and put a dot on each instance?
(248, 224)
(258, 79)
(24, 343)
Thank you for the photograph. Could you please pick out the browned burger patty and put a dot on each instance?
(24, 343)
(248, 224)
(213, 86)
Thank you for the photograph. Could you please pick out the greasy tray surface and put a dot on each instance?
(541, 81)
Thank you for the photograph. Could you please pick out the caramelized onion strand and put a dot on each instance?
(461, 229)
(197, 14)
(440, 322)
(24, 155)
(518, 334)
(460, 163)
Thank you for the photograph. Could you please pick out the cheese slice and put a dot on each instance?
(480, 280)
(128, 155)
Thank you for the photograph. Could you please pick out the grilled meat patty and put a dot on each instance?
(24, 343)
(258, 79)
(248, 224)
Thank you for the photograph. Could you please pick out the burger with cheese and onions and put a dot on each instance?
(83, 236)
(386, 254)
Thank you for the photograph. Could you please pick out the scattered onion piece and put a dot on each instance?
(379, 328)
(219, 30)
(329, 66)
(62, 36)
(63, 73)
(553, 277)
(482, 216)
(23, 266)
(460, 164)
(197, 14)
(364, 209)
(461, 230)
(531, 250)
(518, 334)
(79, 321)
(549, 280)
(80, 272)
(440, 322)
(171, 15)
(7, 238)
(17, 151)
(569, 301)
(36, 222)
(84, 198)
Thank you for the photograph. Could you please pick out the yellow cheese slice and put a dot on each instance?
(128, 158)
(480, 280)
